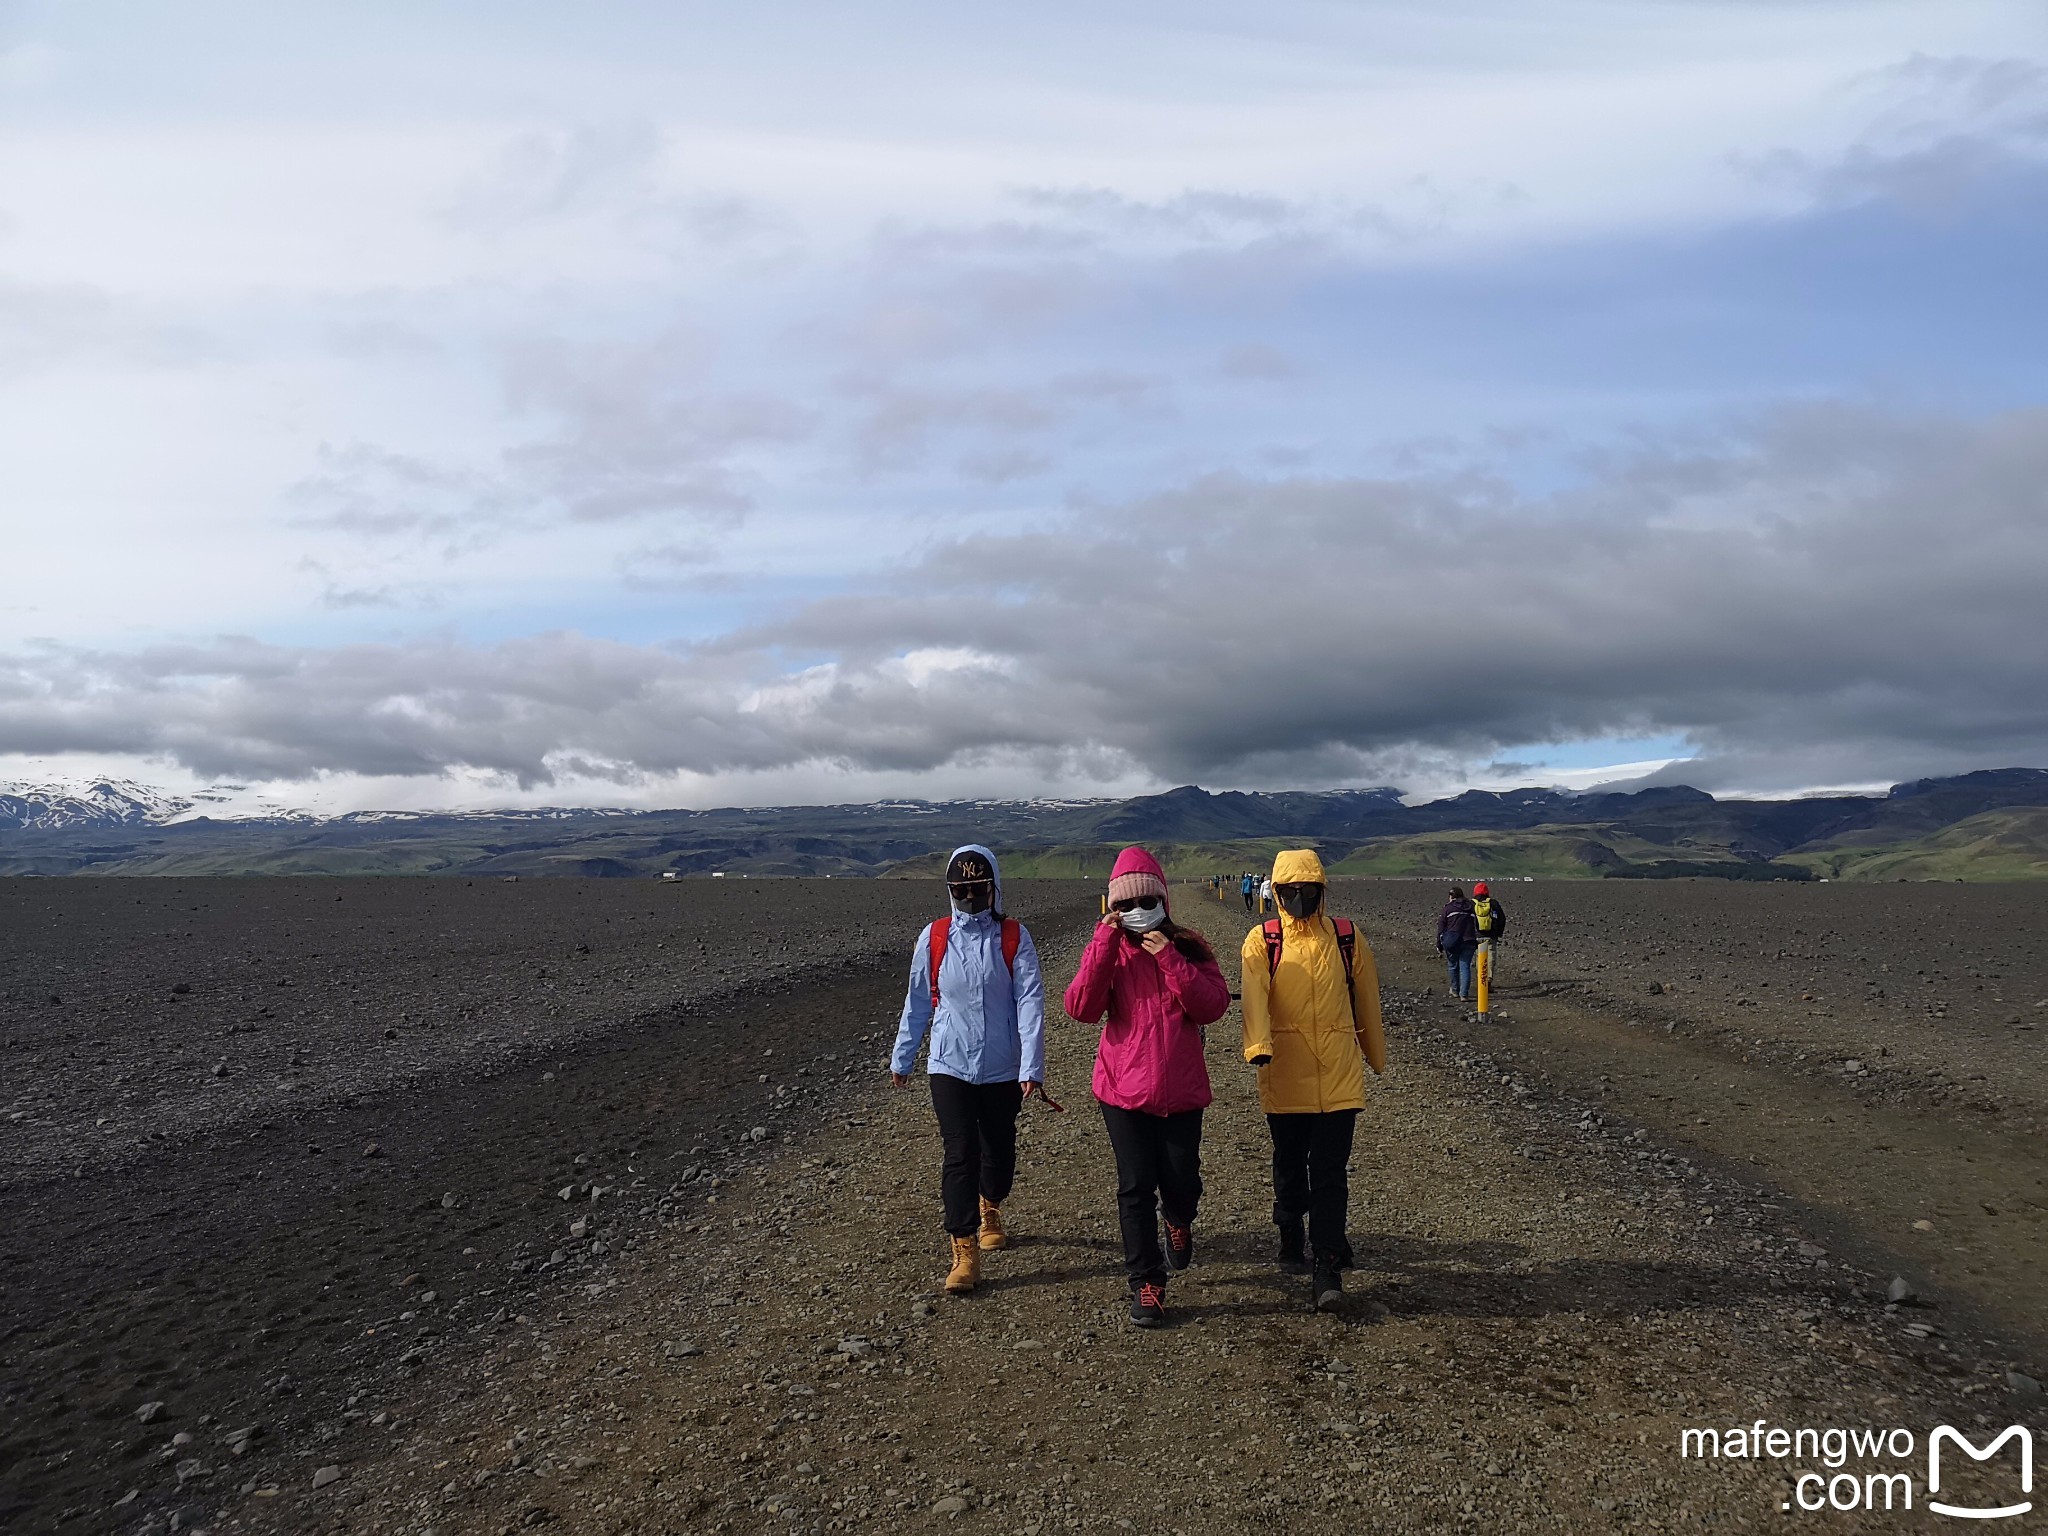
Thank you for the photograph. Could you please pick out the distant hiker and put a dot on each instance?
(1160, 985)
(1249, 885)
(1489, 921)
(975, 984)
(1311, 1024)
(1265, 895)
(1457, 936)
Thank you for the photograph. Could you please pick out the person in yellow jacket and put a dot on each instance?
(1311, 1027)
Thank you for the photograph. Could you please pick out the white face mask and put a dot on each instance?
(1144, 919)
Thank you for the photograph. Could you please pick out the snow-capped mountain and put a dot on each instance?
(98, 803)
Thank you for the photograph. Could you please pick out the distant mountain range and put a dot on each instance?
(1991, 825)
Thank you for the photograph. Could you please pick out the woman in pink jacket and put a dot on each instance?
(1159, 984)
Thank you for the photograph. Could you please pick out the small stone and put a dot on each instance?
(220, 1069)
(2023, 1384)
(1923, 1226)
(1656, 989)
(923, 1309)
(449, 1202)
(149, 1413)
(326, 1475)
(371, 1149)
(579, 1226)
(759, 1133)
(680, 1349)
(566, 1192)
(182, 988)
(952, 1504)
(1812, 1251)
(1901, 1290)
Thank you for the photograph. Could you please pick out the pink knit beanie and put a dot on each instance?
(1136, 873)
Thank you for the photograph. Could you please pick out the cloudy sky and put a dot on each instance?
(667, 403)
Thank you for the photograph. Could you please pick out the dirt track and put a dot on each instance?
(1548, 1293)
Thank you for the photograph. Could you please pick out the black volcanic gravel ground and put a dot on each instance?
(621, 1231)
(236, 1114)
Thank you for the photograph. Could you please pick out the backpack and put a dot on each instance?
(1482, 914)
(1347, 946)
(942, 932)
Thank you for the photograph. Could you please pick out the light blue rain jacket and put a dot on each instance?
(990, 1026)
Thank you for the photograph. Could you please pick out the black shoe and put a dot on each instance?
(1327, 1288)
(1148, 1305)
(1180, 1246)
(1293, 1255)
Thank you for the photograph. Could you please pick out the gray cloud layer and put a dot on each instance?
(1826, 594)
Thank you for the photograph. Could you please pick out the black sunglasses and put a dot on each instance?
(1293, 889)
(1147, 902)
(968, 887)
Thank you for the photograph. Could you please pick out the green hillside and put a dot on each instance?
(1550, 853)
(1092, 861)
(1994, 845)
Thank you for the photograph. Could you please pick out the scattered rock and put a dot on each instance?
(182, 989)
(1901, 1291)
(579, 1226)
(952, 1504)
(1656, 988)
(371, 1149)
(149, 1413)
(326, 1475)
(449, 1202)
(2023, 1384)
(1923, 1226)
(680, 1349)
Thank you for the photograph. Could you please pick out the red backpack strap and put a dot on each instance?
(1347, 942)
(1013, 935)
(942, 929)
(1271, 927)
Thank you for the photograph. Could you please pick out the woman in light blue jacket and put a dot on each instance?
(976, 987)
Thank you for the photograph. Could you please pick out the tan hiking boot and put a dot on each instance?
(966, 1270)
(992, 1233)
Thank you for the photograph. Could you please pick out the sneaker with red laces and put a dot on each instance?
(1180, 1246)
(1148, 1305)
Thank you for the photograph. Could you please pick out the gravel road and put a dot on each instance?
(640, 1315)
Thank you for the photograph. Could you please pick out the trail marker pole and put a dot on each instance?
(1481, 966)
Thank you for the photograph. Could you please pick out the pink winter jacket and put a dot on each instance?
(1151, 1054)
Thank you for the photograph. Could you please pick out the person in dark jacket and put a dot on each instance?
(1457, 937)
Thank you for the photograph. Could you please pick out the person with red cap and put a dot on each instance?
(1159, 985)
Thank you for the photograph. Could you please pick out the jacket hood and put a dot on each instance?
(1298, 866)
(1136, 861)
(994, 869)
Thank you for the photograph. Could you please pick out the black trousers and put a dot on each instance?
(1158, 1168)
(1248, 895)
(1311, 1157)
(978, 1123)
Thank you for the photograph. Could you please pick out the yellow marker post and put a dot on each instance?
(1479, 978)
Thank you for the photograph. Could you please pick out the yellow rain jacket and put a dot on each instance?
(1318, 1033)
